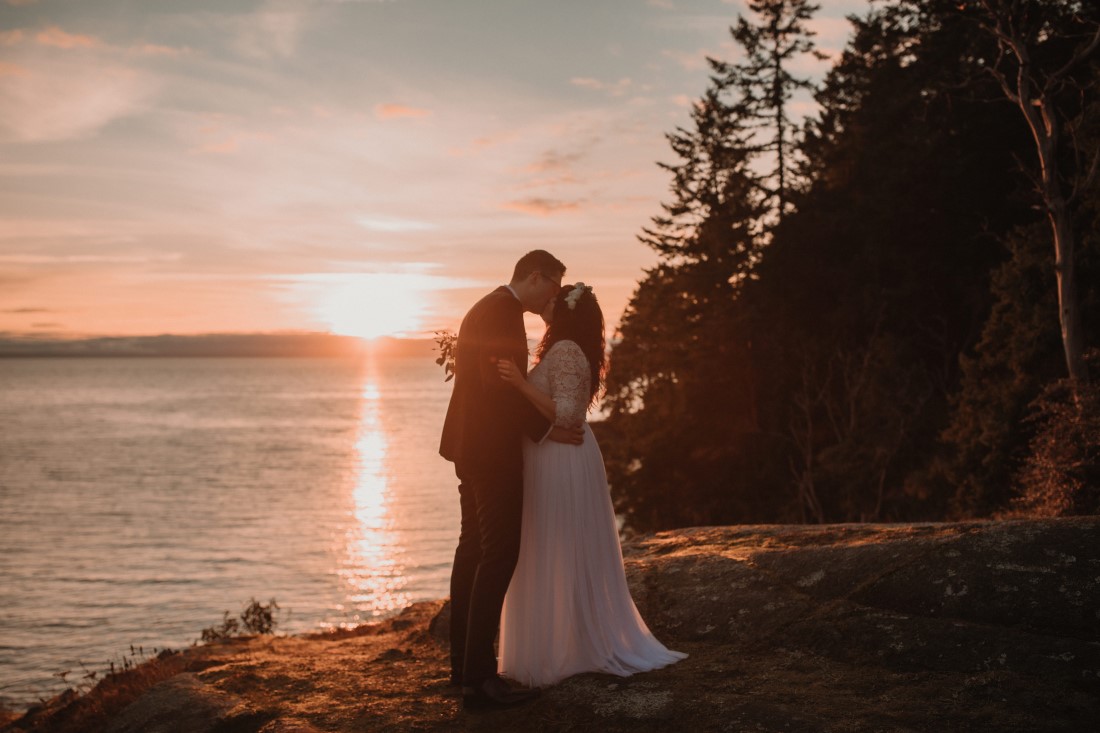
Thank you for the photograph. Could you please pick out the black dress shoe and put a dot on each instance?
(493, 694)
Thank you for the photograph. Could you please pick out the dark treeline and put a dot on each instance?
(856, 317)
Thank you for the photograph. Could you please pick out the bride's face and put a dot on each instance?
(548, 310)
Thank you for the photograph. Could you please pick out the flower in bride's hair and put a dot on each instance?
(575, 294)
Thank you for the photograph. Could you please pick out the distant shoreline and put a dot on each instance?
(296, 345)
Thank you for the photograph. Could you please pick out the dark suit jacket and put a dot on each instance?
(487, 419)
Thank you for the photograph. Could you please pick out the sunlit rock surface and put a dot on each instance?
(980, 596)
(928, 627)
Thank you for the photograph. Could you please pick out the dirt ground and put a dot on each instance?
(781, 638)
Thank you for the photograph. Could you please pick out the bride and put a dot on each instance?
(568, 608)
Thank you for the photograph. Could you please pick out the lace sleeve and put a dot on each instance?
(570, 380)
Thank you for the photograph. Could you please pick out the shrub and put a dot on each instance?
(256, 618)
(1061, 475)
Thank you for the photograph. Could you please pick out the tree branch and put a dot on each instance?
(1080, 55)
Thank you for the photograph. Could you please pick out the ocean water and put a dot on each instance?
(142, 498)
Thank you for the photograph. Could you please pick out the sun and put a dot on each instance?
(371, 305)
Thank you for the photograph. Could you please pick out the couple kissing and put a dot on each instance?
(538, 555)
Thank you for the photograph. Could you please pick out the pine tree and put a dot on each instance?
(763, 86)
(678, 357)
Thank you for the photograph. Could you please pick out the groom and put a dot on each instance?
(482, 434)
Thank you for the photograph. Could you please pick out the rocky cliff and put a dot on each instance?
(927, 627)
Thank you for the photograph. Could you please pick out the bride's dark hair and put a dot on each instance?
(584, 325)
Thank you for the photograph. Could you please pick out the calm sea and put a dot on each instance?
(141, 498)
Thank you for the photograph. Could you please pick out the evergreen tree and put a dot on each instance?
(818, 378)
(677, 376)
(874, 284)
(763, 86)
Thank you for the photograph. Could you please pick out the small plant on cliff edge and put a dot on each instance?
(1061, 476)
(256, 618)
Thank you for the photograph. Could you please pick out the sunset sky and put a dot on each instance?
(364, 167)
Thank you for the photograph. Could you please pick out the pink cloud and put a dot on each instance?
(229, 142)
(229, 146)
(616, 89)
(54, 36)
(552, 160)
(692, 61)
(153, 49)
(387, 111)
(65, 98)
(541, 206)
(12, 69)
(482, 143)
(586, 82)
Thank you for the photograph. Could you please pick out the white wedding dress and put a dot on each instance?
(568, 608)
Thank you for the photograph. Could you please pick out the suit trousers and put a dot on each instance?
(488, 547)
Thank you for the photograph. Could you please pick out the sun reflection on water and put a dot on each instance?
(374, 572)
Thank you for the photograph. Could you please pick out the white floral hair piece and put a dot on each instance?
(575, 294)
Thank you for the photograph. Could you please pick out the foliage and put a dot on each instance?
(1039, 46)
(1017, 352)
(447, 343)
(256, 618)
(870, 355)
(1061, 475)
(764, 84)
(90, 705)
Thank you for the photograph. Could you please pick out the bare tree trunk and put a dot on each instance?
(1069, 313)
(777, 100)
(809, 505)
(1033, 94)
(1041, 119)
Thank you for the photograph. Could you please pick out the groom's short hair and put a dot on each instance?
(538, 260)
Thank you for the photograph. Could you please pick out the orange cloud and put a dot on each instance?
(152, 49)
(616, 89)
(225, 147)
(688, 61)
(394, 111)
(63, 98)
(482, 143)
(541, 206)
(54, 36)
(11, 38)
(586, 82)
(12, 69)
(552, 160)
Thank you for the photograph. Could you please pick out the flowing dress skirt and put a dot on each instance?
(568, 608)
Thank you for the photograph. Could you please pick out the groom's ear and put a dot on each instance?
(531, 280)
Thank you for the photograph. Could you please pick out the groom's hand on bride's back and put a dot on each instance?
(571, 436)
